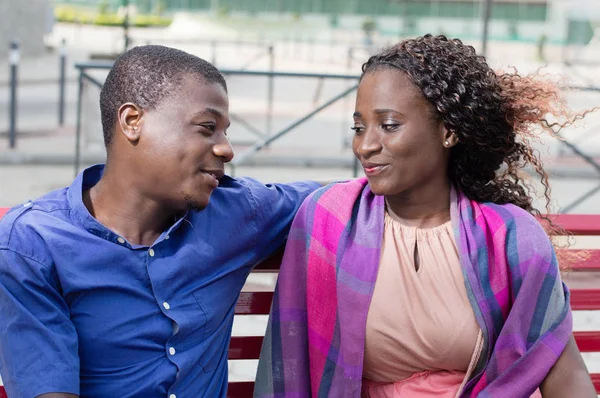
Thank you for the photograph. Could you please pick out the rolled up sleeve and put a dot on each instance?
(38, 341)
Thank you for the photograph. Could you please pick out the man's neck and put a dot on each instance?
(119, 206)
(425, 207)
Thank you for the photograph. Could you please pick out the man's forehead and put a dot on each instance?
(202, 95)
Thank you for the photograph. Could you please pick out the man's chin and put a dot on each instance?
(195, 204)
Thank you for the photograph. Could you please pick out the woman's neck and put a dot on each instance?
(425, 207)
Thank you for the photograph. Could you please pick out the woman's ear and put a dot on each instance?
(450, 139)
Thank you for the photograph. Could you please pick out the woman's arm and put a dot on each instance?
(568, 377)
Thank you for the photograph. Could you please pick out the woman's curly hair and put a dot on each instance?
(495, 117)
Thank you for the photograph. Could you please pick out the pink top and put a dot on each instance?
(420, 321)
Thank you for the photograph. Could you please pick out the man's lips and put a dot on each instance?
(215, 174)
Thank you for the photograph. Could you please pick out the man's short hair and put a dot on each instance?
(145, 75)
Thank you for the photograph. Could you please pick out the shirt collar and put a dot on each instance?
(84, 181)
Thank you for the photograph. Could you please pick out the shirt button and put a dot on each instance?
(172, 351)
(120, 240)
(151, 252)
(166, 305)
(28, 204)
(172, 396)
(167, 237)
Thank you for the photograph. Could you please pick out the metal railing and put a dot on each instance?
(266, 137)
(14, 59)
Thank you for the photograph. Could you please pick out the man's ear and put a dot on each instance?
(130, 121)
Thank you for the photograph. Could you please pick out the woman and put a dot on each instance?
(431, 277)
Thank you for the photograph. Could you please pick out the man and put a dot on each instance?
(125, 283)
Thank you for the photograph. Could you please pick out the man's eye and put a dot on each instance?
(210, 127)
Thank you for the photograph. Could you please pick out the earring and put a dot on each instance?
(136, 129)
(446, 143)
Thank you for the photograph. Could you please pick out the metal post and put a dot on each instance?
(270, 93)
(61, 87)
(355, 167)
(78, 126)
(13, 60)
(345, 130)
(126, 26)
(213, 46)
(487, 14)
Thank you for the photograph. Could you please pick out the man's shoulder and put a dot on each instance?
(249, 189)
(23, 226)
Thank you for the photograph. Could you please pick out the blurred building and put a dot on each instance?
(558, 21)
(26, 21)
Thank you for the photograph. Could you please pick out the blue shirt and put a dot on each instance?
(83, 311)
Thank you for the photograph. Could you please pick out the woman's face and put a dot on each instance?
(397, 138)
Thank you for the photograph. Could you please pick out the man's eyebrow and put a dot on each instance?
(209, 111)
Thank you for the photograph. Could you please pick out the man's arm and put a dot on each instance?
(276, 206)
(38, 341)
(326, 181)
(568, 377)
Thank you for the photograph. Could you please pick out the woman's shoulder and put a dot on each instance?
(511, 214)
(522, 228)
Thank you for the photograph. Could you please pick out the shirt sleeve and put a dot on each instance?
(38, 341)
(276, 206)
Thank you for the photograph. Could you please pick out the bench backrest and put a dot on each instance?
(259, 303)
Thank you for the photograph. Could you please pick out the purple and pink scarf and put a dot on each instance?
(314, 344)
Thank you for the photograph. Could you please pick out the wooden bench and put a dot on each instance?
(584, 281)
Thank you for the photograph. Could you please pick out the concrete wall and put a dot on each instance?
(26, 20)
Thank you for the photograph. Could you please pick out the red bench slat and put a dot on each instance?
(254, 303)
(588, 341)
(596, 380)
(272, 263)
(245, 347)
(578, 224)
(2, 391)
(585, 299)
(240, 389)
(591, 263)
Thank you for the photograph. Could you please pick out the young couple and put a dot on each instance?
(430, 277)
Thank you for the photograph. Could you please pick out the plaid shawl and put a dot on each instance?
(314, 343)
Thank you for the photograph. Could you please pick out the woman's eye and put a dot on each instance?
(390, 126)
(357, 129)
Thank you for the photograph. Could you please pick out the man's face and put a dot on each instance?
(183, 145)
